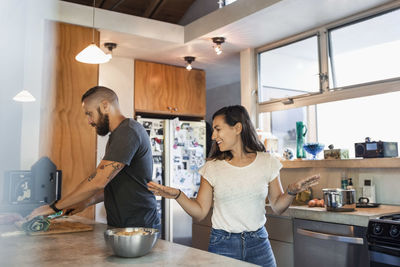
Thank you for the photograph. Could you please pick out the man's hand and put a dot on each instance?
(164, 191)
(76, 209)
(41, 211)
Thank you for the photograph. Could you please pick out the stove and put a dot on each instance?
(383, 237)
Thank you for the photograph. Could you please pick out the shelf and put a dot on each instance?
(342, 163)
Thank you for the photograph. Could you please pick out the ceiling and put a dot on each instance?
(280, 20)
(163, 10)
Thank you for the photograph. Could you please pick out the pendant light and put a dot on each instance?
(189, 61)
(218, 41)
(24, 96)
(92, 54)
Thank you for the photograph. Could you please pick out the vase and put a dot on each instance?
(301, 131)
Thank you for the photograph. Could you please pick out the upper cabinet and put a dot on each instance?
(165, 89)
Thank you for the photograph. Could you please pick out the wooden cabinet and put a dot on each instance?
(165, 89)
(65, 136)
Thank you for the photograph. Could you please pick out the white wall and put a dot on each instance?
(117, 75)
(222, 96)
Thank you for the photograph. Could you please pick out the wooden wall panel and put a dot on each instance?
(65, 136)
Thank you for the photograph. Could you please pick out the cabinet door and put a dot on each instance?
(165, 89)
(152, 87)
(192, 93)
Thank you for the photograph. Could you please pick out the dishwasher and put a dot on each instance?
(329, 244)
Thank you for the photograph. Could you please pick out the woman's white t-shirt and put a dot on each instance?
(240, 192)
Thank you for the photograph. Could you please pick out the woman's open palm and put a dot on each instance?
(161, 190)
(304, 184)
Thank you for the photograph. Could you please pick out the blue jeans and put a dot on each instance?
(253, 247)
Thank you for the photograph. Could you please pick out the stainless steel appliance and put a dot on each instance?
(329, 244)
(179, 149)
(337, 199)
(384, 241)
(24, 190)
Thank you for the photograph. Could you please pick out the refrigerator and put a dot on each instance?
(179, 150)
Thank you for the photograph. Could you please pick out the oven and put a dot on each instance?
(384, 241)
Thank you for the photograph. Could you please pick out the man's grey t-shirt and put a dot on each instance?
(127, 200)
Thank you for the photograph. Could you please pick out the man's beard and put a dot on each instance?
(103, 124)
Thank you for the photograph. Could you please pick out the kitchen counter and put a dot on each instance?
(89, 249)
(358, 217)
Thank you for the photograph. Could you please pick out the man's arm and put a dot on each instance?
(96, 182)
(97, 198)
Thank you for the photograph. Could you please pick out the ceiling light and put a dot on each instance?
(92, 54)
(110, 47)
(24, 96)
(189, 61)
(218, 41)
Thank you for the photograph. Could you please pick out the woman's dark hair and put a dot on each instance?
(250, 141)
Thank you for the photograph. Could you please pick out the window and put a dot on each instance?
(283, 126)
(362, 56)
(227, 2)
(365, 51)
(289, 70)
(343, 123)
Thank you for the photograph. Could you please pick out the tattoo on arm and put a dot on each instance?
(91, 177)
(116, 168)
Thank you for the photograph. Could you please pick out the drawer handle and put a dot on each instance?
(339, 238)
(175, 109)
(169, 108)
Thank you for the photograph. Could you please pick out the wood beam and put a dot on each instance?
(153, 6)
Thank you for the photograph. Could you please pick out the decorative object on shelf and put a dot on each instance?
(110, 46)
(269, 140)
(376, 149)
(24, 96)
(288, 153)
(301, 131)
(218, 41)
(189, 61)
(313, 149)
(92, 54)
(338, 153)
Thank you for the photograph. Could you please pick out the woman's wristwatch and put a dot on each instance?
(53, 206)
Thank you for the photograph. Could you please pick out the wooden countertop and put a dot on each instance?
(89, 249)
(358, 217)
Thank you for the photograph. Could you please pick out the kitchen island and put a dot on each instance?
(89, 249)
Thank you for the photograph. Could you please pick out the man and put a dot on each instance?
(121, 177)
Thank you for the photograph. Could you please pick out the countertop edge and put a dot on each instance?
(360, 217)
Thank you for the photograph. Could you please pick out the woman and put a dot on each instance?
(238, 176)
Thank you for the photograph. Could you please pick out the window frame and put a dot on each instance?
(326, 94)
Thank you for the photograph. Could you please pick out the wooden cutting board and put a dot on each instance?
(60, 227)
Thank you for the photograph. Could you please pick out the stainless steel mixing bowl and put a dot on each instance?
(131, 246)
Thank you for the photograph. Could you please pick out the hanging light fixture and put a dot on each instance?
(218, 41)
(189, 61)
(110, 47)
(92, 54)
(24, 96)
